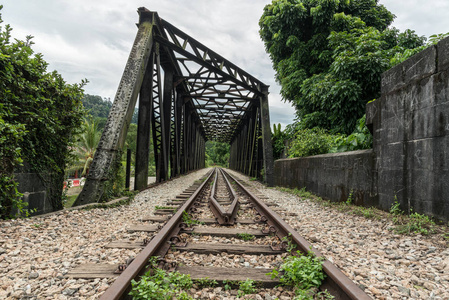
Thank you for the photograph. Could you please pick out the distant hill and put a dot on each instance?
(99, 107)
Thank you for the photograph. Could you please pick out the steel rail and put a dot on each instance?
(337, 283)
(235, 205)
(154, 248)
(222, 215)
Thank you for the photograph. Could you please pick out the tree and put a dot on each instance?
(329, 54)
(277, 140)
(87, 145)
(39, 116)
(217, 153)
(96, 105)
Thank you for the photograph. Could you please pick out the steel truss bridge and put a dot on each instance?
(188, 94)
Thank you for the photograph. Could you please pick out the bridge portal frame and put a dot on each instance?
(181, 108)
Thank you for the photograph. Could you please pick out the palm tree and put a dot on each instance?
(87, 144)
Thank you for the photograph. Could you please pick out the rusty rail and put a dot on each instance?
(222, 215)
(158, 246)
(337, 283)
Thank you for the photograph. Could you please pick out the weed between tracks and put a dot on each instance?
(304, 273)
(189, 221)
(246, 236)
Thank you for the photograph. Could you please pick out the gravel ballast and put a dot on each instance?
(386, 265)
(36, 253)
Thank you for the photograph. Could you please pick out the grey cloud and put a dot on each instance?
(92, 39)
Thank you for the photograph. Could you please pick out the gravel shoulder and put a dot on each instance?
(36, 253)
(386, 265)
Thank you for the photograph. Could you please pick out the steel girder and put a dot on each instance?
(188, 94)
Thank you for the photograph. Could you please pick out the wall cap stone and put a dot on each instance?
(347, 153)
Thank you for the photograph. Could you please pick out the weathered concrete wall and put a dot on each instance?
(410, 124)
(410, 159)
(33, 190)
(331, 176)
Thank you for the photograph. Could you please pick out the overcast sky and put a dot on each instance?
(92, 38)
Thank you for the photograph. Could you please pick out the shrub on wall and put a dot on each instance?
(311, 142)
(40, 114)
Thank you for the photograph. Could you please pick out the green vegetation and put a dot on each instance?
(246, 236)
(70, 200)
(159, 284)
(404, 224)
(290, 244)
(302, 193)
(227, 285)
(246, 287)
(277, 139)
(312, 294)
(302, 272)
(188, 220)
(309, 142)
(360, 139)
(86, 146)
(39, 116)
(413, 223)
(206, 282)
(217, 153)
(329, 55)
(164, 207)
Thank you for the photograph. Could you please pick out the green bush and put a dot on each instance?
(360, 139)
(10, 138)
(304, 272)
(159, 284)
(309, 142)
(40, 114)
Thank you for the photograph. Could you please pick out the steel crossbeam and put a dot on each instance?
(188, 94)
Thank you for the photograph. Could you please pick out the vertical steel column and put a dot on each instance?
(177, 142)
(255, 122)
(143, 128)
(233, 155)
(242, 153)
(186, 138)
(192, 145)
(260, 150)
(266, 137)
(249, 143)
(128, 169)
(166, 121)
(158, 117)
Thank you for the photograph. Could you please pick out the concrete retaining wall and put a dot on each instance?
(332, 176)
(34, 191)
(410, 158)
(410, 124)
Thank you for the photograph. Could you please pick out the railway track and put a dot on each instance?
(221, 232)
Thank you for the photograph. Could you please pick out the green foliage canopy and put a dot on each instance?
(277, 139)
(217, 153)
(96, 105)
(329, 54)
(39, 115)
